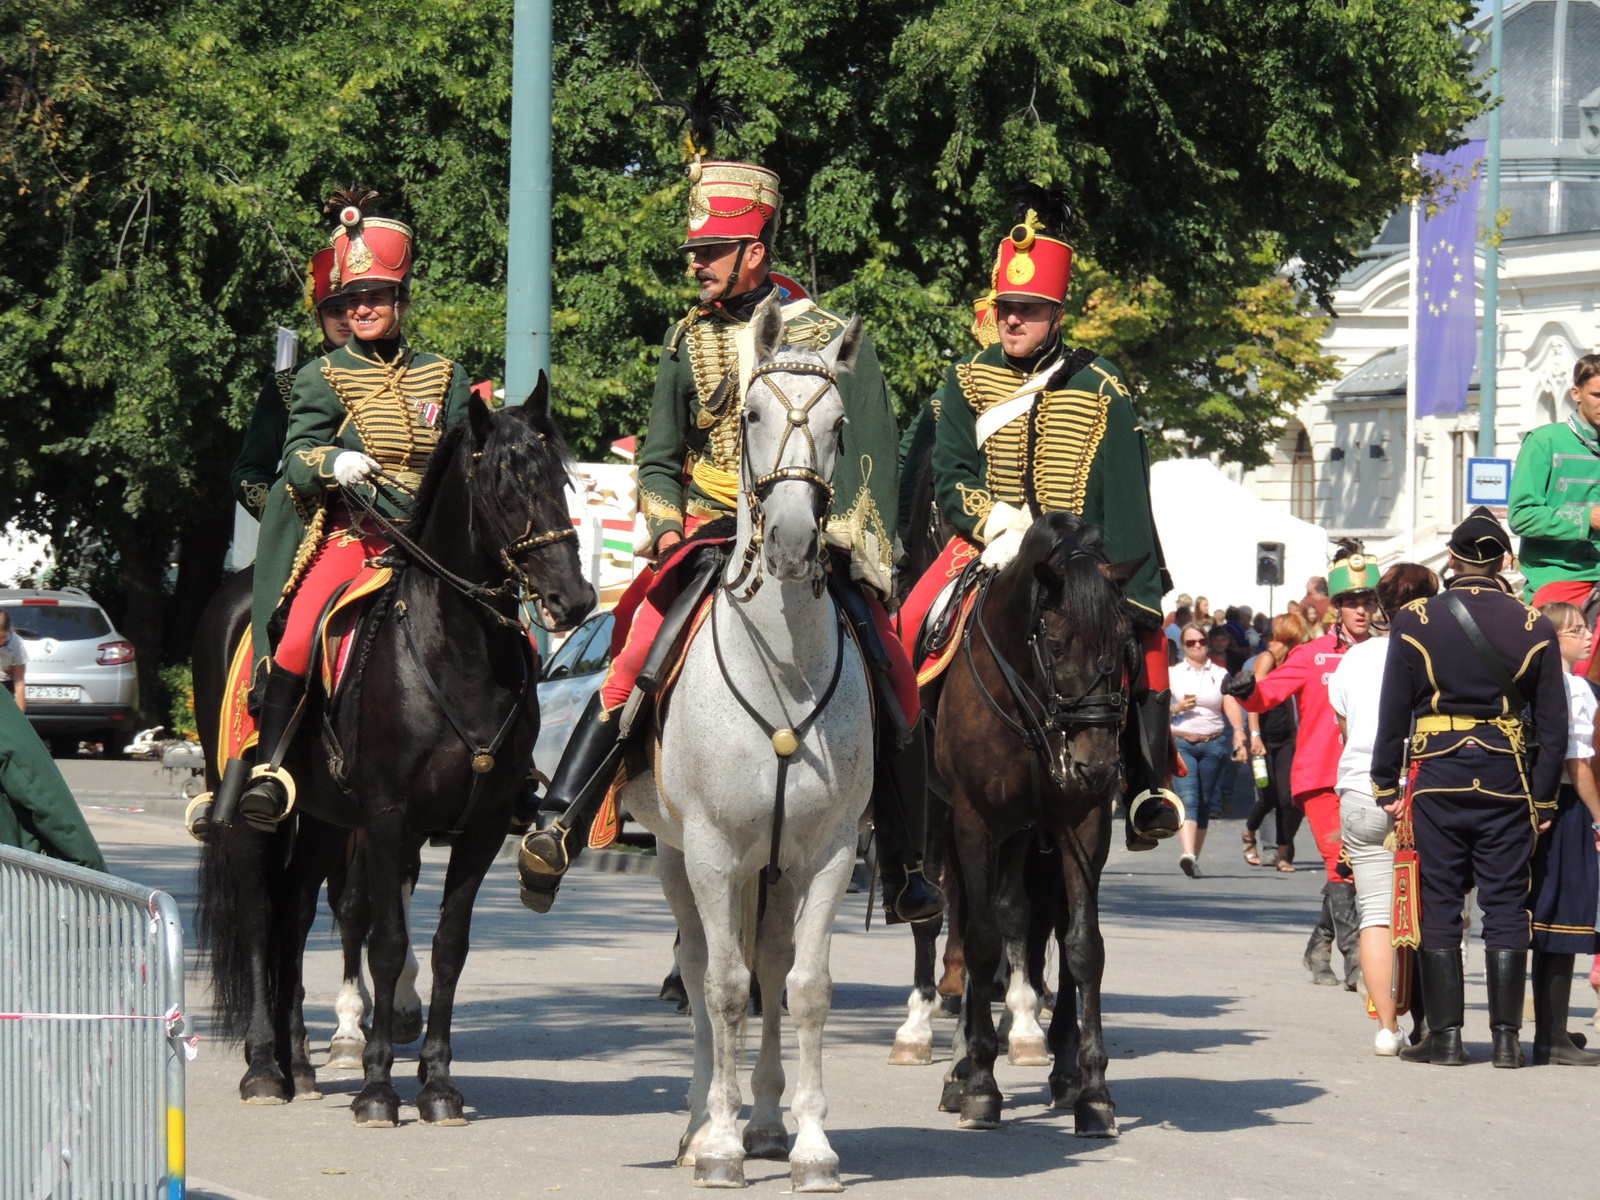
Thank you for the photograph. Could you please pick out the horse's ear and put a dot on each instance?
(537, 405)
(479, 417)
(1120, 573)
(768, 325)
(841, 355)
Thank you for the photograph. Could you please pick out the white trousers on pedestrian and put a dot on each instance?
(1365, 827)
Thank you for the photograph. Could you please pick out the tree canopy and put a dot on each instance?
(164, 163)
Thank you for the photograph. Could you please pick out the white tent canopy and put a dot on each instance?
(1209, 529)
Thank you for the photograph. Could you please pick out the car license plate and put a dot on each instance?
(39, 691)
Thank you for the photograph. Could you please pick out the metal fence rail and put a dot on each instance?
(91, 1035)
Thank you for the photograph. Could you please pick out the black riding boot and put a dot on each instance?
(270, 795)
(1421, 1047)
(1508, 983)
(1442, 984)
(1150, 811)
(578, 789)
(1319, 948)
(1346, 929)
(899, 815)
(1552, 994)
(214, 811)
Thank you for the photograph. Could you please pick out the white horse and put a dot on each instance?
(772, 696)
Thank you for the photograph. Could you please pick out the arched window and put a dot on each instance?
(1302, 480)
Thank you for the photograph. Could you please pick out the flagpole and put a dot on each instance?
(1489, 350)
(1408, 453)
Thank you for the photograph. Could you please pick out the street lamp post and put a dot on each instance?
(529, 259)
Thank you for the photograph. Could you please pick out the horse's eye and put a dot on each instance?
(839, 425)
(752, 417)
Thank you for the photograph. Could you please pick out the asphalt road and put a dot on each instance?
(1233, 1076)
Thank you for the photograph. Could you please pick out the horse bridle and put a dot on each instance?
(758, 487)
(1099, 704)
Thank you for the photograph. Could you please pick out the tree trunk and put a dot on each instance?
(143, 559)
(201, 552)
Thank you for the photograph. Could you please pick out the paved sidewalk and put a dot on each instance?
(1233, 1076)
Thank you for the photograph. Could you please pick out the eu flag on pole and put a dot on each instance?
(1447, 318)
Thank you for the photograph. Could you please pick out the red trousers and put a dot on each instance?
(1322, 814)
(339, 560)
(643, 606)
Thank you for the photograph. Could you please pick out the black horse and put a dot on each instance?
(431, 737)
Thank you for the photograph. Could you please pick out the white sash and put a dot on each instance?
(992, 420)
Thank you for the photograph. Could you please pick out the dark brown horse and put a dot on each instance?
(431, 738)
(1028, 720)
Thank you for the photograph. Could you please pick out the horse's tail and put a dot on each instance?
(219, 929)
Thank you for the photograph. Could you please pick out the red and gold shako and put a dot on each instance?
(369, 251)
(1031, 266)
(729, 202)
(319, 279)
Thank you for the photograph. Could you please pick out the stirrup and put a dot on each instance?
(283, 780)
(540, 878)
(197, 817)
(891, 906)
(1159, 825)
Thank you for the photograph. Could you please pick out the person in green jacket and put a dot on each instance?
(1555, 499)
(1029, 425)
(37, 809)
(373, 404)
(258, 465)
(689, 473)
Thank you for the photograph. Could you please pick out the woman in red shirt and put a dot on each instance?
(1304, 675)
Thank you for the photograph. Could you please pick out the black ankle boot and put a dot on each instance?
(1346, 917)
(587, 766)
(270, 795)
(899, 809)
(1507, 972)
(1552, 996)
(1442, 984)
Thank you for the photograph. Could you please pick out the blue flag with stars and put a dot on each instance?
(1447, 315)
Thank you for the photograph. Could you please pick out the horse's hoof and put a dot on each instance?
(376, 1107)
(1027, 1052)
(765, 1143)
(265, 1088)
(441, 1108)
(1095, 1119)
(1064, 1093)
(909, 1053)
(950, 1099)
(980, 1112)
(345, 1055)
(816, 1176)
(718, 1171)
(949, 1006)
(672, 990)
(406, 1026)
(305, 1087)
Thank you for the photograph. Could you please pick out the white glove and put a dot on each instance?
(352, 466)
(1001, 518)
(1002, 549)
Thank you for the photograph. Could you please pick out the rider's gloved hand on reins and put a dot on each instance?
(1002, 549)
(352, 466)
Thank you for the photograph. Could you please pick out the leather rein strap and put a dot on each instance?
(784, 741)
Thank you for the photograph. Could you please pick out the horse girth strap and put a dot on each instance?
(785, 741)
(483, 756)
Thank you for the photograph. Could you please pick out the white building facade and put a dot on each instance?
(1340, 461)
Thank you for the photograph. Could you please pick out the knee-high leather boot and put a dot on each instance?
(270, 795)
(1443, 985)
(1552, 996)
(1508, 981)
(1421, 1047)
(587, 766)
(899, 814)
(1319, 947)
(1151, 812)
(1346, 929)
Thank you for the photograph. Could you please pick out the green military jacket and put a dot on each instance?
(1555, 484)
(256, 468)
(349, 399)
(37, 809)
(1088, 456)
(675, 478)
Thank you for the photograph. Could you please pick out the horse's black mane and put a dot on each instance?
(1075, 549)
(531, 448)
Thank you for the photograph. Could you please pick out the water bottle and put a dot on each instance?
(1259, 762)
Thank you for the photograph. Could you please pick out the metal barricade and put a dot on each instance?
(92, 1044)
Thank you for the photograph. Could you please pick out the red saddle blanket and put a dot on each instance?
(928, 601)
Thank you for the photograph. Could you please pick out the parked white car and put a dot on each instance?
(573, 674)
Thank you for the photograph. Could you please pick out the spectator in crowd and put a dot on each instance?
(1304, 677)
(1218, 643)
(13, 662)
(1201, 719)
(1252, 635)
(1233, 622)
(1566, 871)
(1554, 495)
(1317, 597)
(1202, 613)
(1182, 604)
(1175, 626)
(37, 810)
(1272, 735)
(1354, 692)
